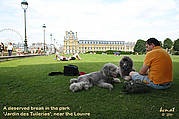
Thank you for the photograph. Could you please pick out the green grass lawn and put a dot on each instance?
(25, 83)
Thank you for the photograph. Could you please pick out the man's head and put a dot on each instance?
(151, 43)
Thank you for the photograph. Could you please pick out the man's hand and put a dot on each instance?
(131, 73)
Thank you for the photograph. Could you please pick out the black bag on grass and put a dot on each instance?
(135, 86)
(71, 70)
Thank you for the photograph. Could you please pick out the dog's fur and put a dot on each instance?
(125, 67)
(102, 78)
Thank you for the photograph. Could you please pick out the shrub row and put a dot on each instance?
(112, 52)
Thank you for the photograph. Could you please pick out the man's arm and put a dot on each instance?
(143, 70)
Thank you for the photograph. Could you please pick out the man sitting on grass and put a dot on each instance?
(157, 70)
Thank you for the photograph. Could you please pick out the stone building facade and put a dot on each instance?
(73, 45)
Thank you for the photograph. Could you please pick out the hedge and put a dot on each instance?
(112, 52)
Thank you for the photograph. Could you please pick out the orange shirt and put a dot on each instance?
(160, 65)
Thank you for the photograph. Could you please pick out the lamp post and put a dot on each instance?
(51, 37)
(54, 45)
(44, 26)
(51, 45)
(54, 41)
(24, 6)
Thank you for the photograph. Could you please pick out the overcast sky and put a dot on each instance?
(119, 20)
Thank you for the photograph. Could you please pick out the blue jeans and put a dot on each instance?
(149, 83)
(10, 52)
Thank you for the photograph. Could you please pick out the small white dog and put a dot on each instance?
(102, 78)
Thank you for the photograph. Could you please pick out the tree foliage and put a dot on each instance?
(167, 43)
(176, 45)
(139, 46)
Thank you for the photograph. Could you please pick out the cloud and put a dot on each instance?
(126, 20)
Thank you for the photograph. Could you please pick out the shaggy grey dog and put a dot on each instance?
(102, 78)
(125, 67)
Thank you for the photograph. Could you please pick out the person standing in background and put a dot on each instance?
(2, 48)
(10, 48)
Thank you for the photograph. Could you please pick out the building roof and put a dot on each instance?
(100, 42)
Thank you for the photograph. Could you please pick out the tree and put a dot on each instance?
(176, 45)
(167, 43)
(139, 46)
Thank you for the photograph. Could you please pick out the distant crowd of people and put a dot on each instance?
(3, 48)
(36, 51)
(9, 48)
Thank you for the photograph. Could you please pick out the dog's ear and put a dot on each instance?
(131, 62)
(119, 73)
(106, 69)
